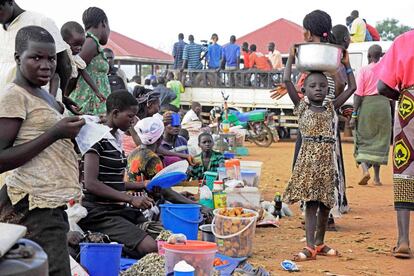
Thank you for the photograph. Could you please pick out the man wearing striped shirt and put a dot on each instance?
(192, 55)
(178, 51)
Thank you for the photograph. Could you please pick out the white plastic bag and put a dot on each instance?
(75, 213)
(91, 133)
(205, 193)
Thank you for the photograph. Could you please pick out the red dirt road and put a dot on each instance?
(365, 235)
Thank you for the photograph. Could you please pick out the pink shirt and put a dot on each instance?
(396, 68)
(367, 81)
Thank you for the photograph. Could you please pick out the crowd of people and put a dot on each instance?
(229, 57)
(45, 171)
(110, 178)
(233, 57)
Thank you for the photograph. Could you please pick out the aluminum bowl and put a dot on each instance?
(322, 57)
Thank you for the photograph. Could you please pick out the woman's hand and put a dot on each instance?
(67, 128)
(191, 160)
(142, 202)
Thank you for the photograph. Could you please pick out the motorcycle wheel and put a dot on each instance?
(265, 138)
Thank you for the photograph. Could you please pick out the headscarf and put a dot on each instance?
(149, 130)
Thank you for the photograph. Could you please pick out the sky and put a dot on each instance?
(158, 22)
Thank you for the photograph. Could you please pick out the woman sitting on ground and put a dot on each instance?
(208, 159)
(105, 190)
(144, 163)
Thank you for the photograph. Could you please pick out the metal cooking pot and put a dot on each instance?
(207, 234)
(322, 57)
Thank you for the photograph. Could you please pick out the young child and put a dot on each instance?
(313, 175)
(35, 146)
(208, 159)
(92, 101)
(74, 35)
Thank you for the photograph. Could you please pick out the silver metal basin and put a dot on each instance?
(318, 57)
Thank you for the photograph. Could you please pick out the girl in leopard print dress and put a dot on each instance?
(313, 177)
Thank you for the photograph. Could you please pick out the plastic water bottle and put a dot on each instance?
(278, 205)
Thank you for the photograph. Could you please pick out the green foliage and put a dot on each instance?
(390, 28)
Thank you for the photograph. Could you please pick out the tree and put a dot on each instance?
(389, 28)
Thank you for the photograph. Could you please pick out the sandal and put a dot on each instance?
(304, 255)
(404, 253)
(364, 180)
(324, 250)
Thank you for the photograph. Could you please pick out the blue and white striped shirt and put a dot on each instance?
(192, 53)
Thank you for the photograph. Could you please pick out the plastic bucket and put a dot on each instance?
(198, 254)
(234, 235)
(206, 234)
(181, 218)
(101, 258)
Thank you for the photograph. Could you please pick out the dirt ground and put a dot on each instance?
(365, 235)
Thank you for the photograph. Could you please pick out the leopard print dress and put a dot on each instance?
(313, 177)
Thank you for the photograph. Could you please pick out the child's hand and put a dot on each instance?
(68, 127)
(345, 59)
(71, 105)
(100, 97)
(292, 52)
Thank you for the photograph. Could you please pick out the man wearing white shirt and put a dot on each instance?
(13, 18)
(193, 114)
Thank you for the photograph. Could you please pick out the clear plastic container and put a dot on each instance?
(233, 168)
(247, 197)
(255, 166)
(249, 177)
(234, 235)
(221, 173)
(198, 254)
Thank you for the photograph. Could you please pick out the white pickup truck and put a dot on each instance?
(255, 96)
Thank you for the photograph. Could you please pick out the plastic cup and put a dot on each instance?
(175, 120)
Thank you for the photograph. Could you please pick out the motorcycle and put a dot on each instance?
(254, 122)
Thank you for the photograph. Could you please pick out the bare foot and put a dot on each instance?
(364, 180)
(377, 183)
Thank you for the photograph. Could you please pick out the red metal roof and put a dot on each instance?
(125, 46)
(282, 32)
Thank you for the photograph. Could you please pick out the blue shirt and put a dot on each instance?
(178, 50)
(231, 54)
(214, 55)
(192, 53)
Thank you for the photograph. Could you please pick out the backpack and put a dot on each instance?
(115, 81)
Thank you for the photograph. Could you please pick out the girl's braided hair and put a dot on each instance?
(319, 23)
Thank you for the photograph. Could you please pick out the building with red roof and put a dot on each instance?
(282, 32)
(130, 49)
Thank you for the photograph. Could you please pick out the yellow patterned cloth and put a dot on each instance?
(403, 151)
